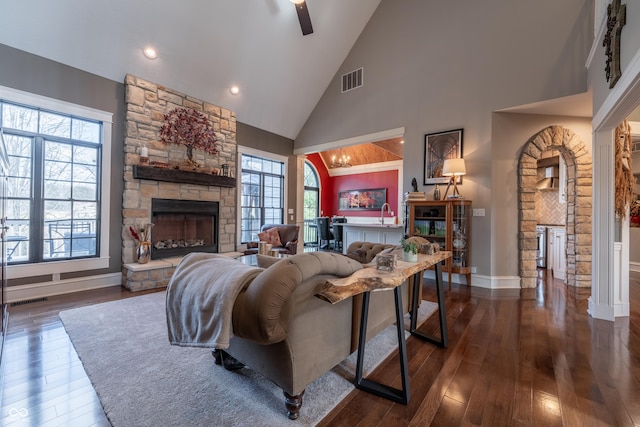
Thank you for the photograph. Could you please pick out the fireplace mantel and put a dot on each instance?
(185, 177)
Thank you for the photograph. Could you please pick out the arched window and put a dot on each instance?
(311, 204)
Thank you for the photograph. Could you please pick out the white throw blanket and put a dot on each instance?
(200, 298)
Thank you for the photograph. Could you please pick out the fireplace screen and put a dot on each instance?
(183, 226)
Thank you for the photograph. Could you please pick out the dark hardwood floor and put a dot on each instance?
(515, 358)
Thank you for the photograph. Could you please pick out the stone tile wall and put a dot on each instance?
(549, 209)
(146, 104)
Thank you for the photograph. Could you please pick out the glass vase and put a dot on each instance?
(143, 252)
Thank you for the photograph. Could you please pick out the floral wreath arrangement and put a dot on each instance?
(191, 128)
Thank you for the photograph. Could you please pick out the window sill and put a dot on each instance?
(56, 267)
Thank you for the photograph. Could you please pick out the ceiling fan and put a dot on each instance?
(303, 16)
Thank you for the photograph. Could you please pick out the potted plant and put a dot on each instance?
(409, 250)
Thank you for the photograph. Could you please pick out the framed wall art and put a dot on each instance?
(437, 148)
(362, 199)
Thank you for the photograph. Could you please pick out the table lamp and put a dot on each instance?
(453, 168)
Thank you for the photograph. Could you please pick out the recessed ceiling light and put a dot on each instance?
(234, 90)
(297, 1)
(402, 141)
(150, 52)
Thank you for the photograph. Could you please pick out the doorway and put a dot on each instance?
(578, 194)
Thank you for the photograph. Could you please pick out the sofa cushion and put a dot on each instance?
(262, 311)
(271, 236)
(366, 250)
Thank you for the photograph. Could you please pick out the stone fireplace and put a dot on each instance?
(183, 226)
(146, 104)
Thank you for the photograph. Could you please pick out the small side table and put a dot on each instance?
(369, 279)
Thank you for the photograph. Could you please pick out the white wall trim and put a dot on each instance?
(600, 311)
(622, 99)
(361, 139)
(599, 31)
(57, 267)
(478, 280)
(59, 287)
(39, 101)
(495, 282)
(372, 167)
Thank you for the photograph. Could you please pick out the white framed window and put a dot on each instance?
(262, 195)
(311, 203)
(59, 188)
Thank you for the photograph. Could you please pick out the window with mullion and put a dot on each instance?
(311, 204)
(53, 197)
(262, 195)
(70, 200)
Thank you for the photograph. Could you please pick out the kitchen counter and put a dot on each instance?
(371, 225)
(374, 232)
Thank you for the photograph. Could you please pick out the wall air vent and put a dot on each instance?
(352, 80)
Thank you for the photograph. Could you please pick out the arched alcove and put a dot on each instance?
(579, 198)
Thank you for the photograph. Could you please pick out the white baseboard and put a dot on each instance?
(59, 287)
(495, 282)
(599, 311)
(479, 280)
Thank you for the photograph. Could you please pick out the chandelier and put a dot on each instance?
(341, 162)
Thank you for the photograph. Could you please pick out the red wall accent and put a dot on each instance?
(330, 186)
(363, 181)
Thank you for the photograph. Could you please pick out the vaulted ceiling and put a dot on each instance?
(388, 150)
(204, 47)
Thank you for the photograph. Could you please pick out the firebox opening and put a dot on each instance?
(183, 226)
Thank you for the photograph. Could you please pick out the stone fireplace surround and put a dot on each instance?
(146, 104)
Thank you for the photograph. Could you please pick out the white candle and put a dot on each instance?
(144, 152)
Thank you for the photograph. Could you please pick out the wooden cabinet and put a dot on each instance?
(447, 222)
(562, 181)
(374, 233)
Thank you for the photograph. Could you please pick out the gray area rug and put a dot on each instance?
(141, 380)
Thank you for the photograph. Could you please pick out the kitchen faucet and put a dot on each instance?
(382, 212)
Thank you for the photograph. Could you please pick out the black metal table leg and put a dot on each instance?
(396, 395)
(417, 282)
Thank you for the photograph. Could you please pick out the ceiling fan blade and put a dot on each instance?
(304, 18)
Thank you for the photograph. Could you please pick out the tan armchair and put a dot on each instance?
(288, 234)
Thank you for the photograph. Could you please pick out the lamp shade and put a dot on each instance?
(453, 167)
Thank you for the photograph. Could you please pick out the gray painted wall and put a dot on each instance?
(249, 136)
(433, 66)
(34, 74)
(510, 132)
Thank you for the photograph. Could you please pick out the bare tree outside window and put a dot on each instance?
(54, 207)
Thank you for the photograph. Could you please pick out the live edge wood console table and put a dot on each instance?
(371, 279)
